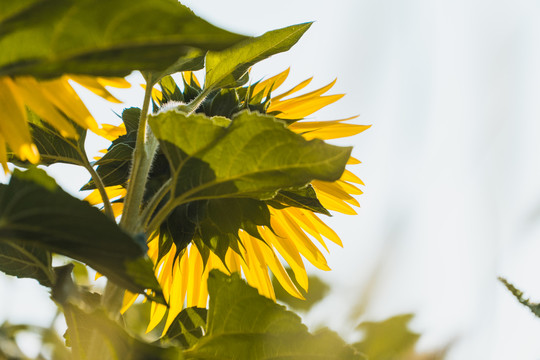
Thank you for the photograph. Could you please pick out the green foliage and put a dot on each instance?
(245, 325)
(26, 261)
(35, 212)
(113, 38)
(390, 339)
(92, 335)
(227, 68)
(255, 156)
(534, 307)
(188, 327)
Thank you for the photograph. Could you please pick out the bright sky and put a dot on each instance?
(452, 196)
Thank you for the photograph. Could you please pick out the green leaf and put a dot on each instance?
(255, 156)
(107, 38)
(26, 261)
(215, 222)
(34, 211)
(228, 68)
(245, 325)
(52, 146)
(92, 335)
(534, 307)
(388, 339)
(188, 327)
(304, 198)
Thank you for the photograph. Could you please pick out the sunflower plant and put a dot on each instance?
(213, 179)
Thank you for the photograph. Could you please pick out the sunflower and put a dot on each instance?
(54, 101)
(293, 230)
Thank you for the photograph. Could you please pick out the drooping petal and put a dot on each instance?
(13, 126)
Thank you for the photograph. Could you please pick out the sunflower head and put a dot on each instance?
(252, 236)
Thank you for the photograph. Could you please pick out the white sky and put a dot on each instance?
(453, 177)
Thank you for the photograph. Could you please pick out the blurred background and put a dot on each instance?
(451, 165)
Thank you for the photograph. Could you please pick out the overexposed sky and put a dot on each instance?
(451, 165)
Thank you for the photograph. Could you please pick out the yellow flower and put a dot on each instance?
(183, 279)
(54, 101)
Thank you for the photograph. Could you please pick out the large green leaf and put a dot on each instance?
(26, 261)
(34, 211)
(253, 155)
(51, 37)
(227, 68)
(245, 325)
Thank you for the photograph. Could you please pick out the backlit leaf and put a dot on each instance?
(245, 325)
(227, 68)
(113, 38)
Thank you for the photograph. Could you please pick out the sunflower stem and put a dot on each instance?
(101, 188)
(143, 155)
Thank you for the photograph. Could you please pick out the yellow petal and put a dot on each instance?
(61, 94)
(335, 204)
(321, 227)
(335, 190)
(178, 290)
(304, 222)
(36, 100)
(94, 85)
(255, 271)
(290, 253)
(297, 88)
(13, 126)
(194, 281)
(3, 154)
(116, 82)
(299, 110)
(335, 132)
(111, 132)
(350, 177)
(291, 232)
(190, 78)
(270, 84)
(353, 161)
(349, 188)
(270, 258)
(129, 299)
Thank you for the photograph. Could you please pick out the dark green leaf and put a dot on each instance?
(255, 156)
(26, 261)
(228, 68)
(188, 327)
(245, 325)
(113, 38)
(388, 339)
(215, 222)
(304, 198)
(34, 211)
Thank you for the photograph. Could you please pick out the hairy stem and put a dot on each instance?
(143, 156)
(101, 188)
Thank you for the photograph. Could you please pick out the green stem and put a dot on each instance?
(154, 202)
(101, 188)
(142, 160)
